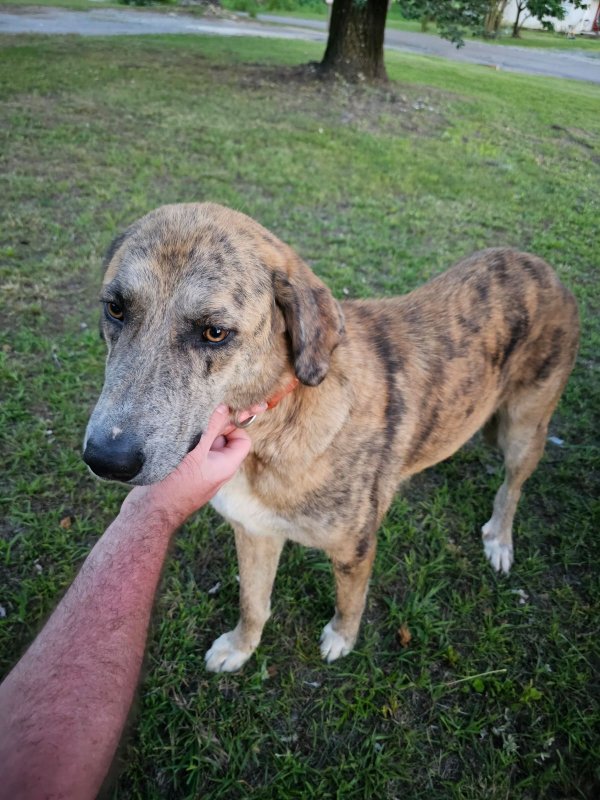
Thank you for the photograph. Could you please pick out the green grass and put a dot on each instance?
(497, 694)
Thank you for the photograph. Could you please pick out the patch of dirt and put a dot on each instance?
(390, 109)
(582, 138)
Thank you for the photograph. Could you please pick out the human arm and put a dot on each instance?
(64, 705)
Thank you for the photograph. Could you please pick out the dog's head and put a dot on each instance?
(201, 306)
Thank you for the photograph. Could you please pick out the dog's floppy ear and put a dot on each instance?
(116, 244)
(112, 249)
(314, 319)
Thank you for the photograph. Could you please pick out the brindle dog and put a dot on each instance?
(204, 306)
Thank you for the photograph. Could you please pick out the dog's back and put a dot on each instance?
(453, 351)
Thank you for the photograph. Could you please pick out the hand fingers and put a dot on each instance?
(258, 408)
(218, 422)
(237, 434)
(219, 430)
(251, 411)
(219, 443)
(237, 445)
(223, 464)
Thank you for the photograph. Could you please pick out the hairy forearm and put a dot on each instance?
(64, 705)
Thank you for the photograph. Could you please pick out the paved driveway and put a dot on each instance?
(574, 64)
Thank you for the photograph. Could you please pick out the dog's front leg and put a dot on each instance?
(258, 557)
(352, 566)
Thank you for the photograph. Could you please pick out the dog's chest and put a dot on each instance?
(239, 504)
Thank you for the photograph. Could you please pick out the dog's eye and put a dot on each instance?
(115, 311)
(215, 334)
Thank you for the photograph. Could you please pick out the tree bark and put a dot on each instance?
(355, 43)
(493, 18)
(516, 26)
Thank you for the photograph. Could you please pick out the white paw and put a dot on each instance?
(499, 555)
(224, 656)
(334, 645)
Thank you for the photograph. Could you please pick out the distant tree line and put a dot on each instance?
(454, 18)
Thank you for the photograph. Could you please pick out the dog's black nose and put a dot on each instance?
(117, 459)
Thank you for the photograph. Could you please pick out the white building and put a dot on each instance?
(577, 20)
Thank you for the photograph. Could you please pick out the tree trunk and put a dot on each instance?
(355, 43)
(493, 18)
(516, 26)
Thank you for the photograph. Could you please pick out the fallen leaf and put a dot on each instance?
(404, 635)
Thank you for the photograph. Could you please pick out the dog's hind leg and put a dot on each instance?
(352, 566)
(258, 557)
(522, 425)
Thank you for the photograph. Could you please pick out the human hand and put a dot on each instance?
(200, 475)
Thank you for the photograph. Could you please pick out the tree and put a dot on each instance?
(424, 12)
(452, 17)
(542, 10)
(357, 27)
(356, 31)
(355, 43)
(493, 18)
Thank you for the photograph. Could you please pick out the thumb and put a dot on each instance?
(218, 422)
(223, 463)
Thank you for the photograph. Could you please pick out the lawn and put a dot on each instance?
(496, 694)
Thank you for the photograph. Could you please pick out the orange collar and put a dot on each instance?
(273, 401)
